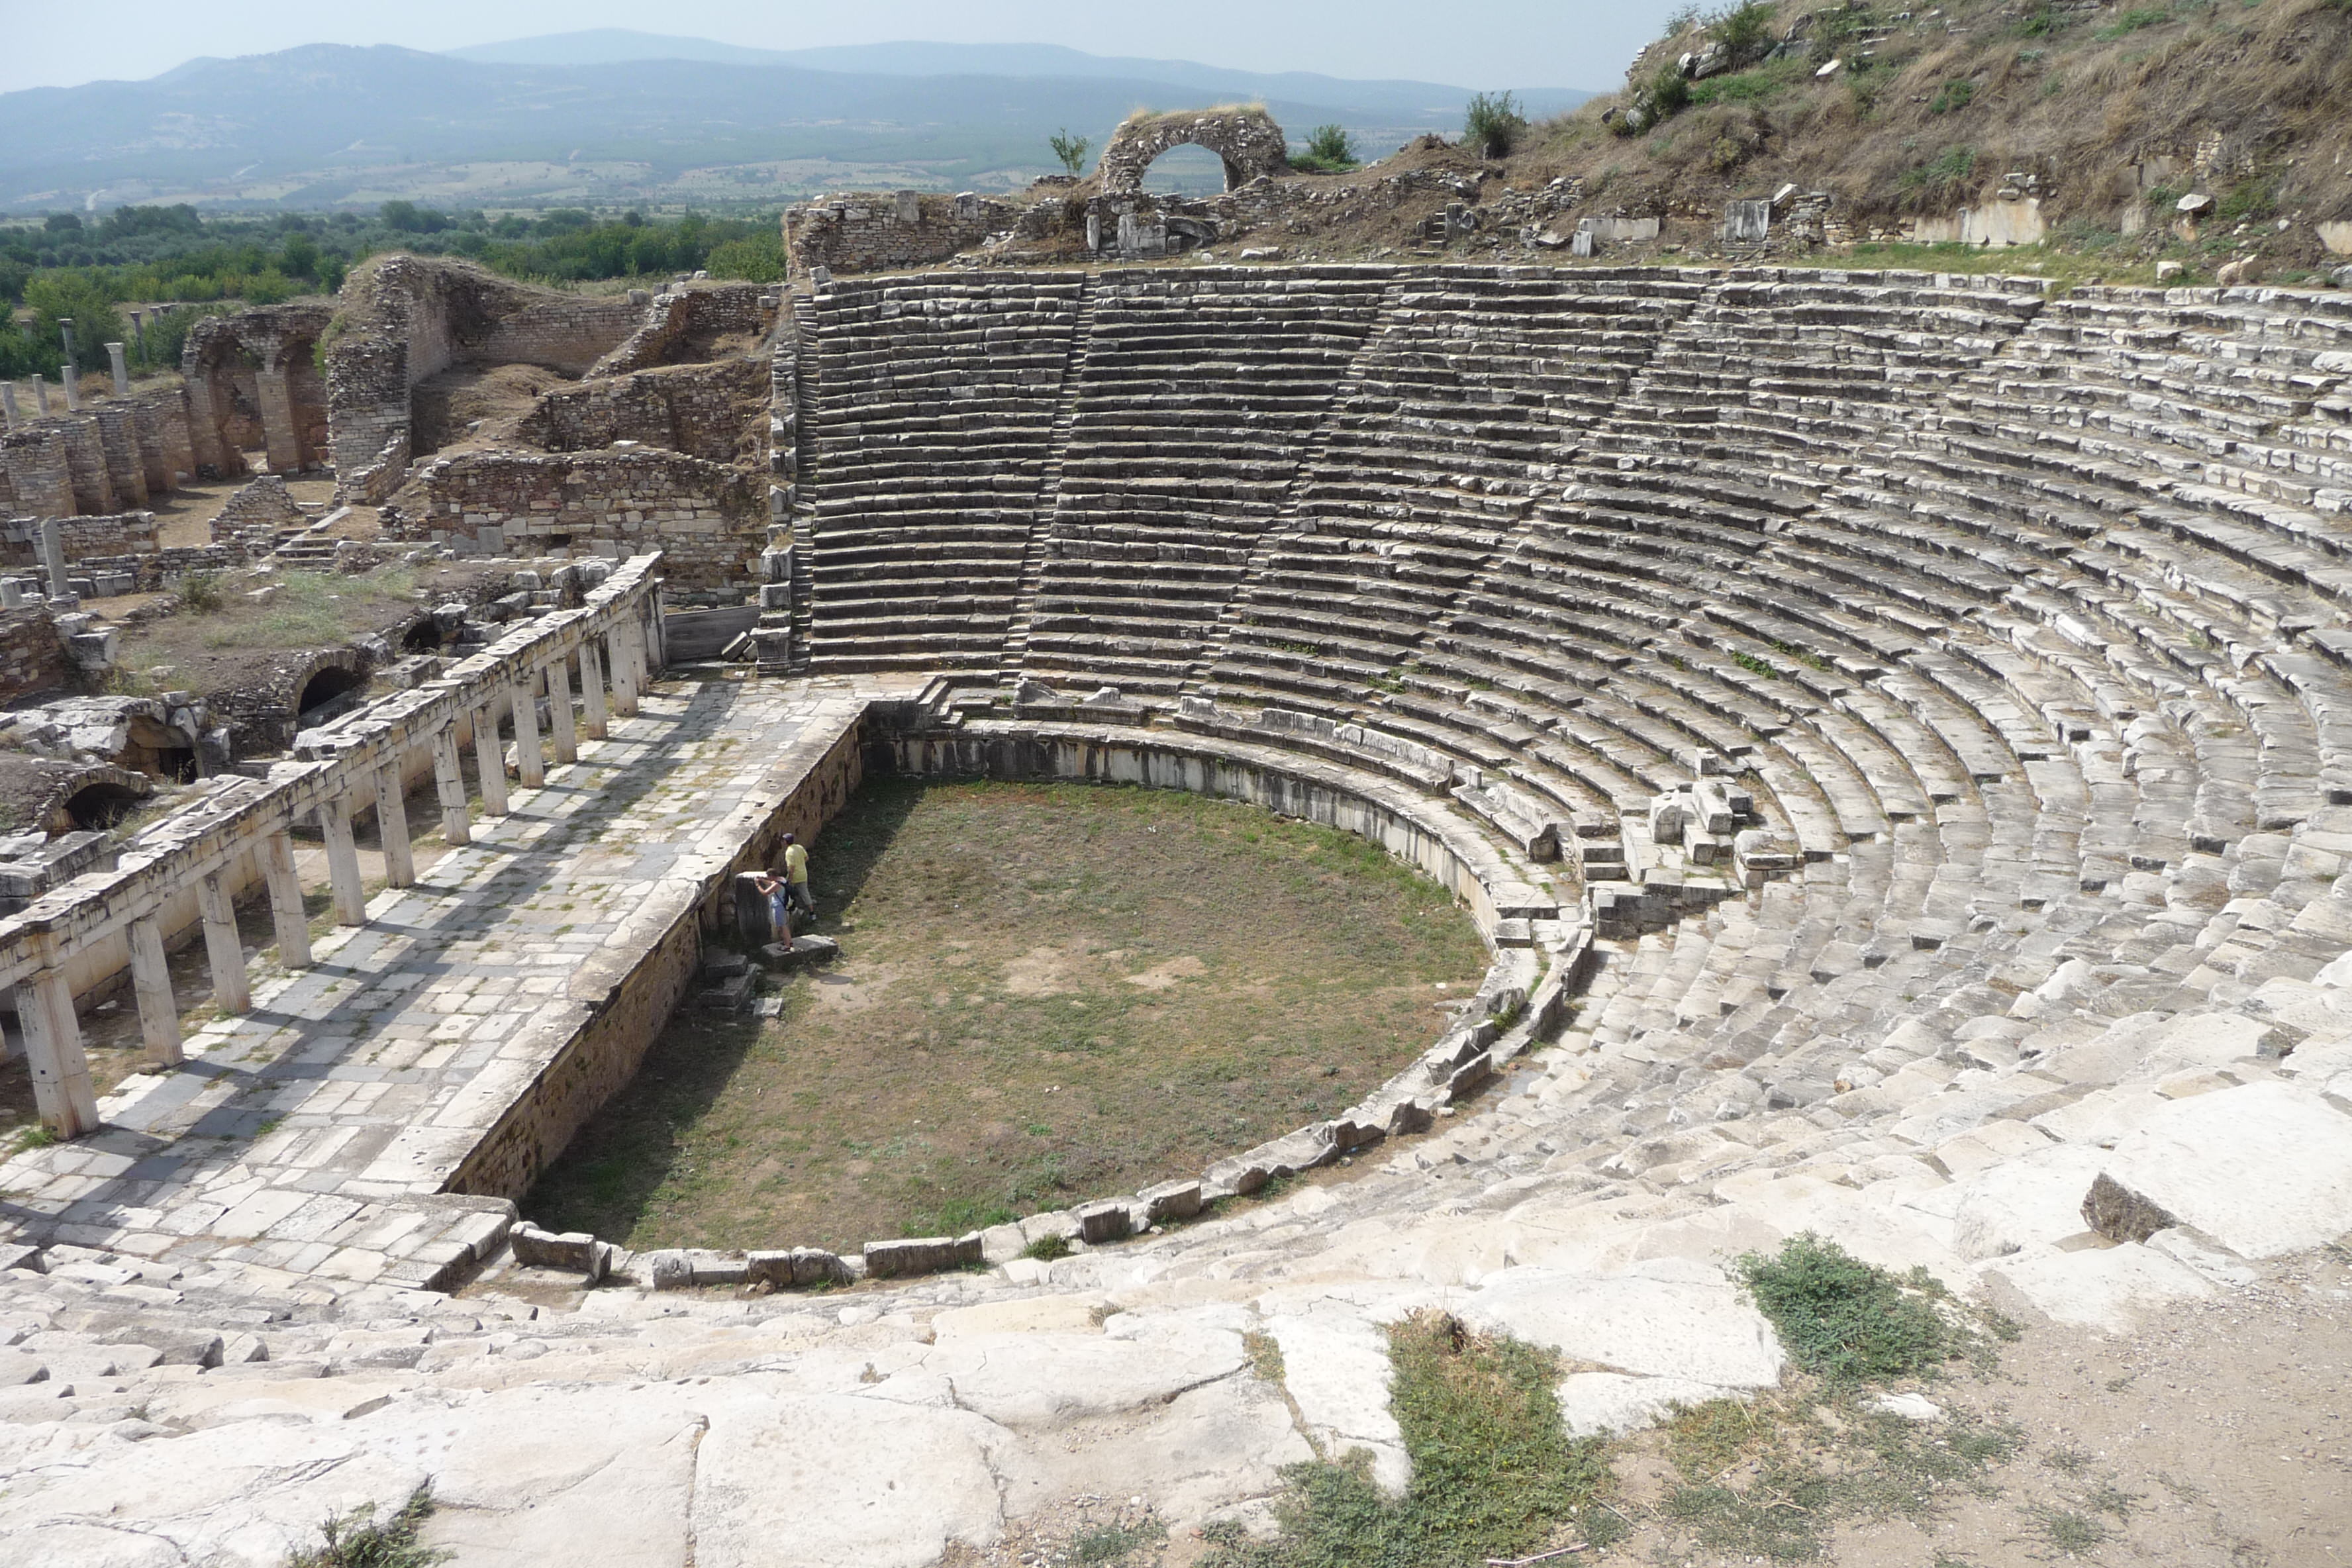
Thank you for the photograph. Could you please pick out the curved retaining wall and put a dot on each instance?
(1519, 1002)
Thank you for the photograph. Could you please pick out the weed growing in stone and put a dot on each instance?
(1109, 1544)
(1046, 1249)
(1495, 1472)
(356, 1540)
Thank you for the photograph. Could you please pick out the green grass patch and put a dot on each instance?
(1769, 1479)
(1847, 1321)
(1109, 1544)
(1047, 994)
(1495, 1472)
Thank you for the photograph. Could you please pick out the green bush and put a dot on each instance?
(1941, 179)
(2133, 21)
(1850, 1321)
(754, 259)
(1494, 123)
(1330, 150)
(2043, 21)
(81, 298)
(1744, 31)
(1953, 95)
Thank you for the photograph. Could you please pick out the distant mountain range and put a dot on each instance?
(611, 117)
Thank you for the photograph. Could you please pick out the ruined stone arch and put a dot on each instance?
(253, 381)
(1247, 140)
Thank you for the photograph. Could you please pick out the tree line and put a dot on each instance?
(89, 269)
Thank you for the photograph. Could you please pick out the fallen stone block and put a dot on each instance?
(2117, 1212)
(1171, 1200)
(29, 1258)
(800, 952)
(574, 1251)
(2263, 1170)
(1110, 1220)
(922, 1255)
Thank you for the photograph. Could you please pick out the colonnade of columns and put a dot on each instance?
(609, 682)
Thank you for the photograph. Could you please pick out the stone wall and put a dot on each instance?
(682, 321)
(870, 233)
(709, 520)
(715, 412)
(253, 381)
(623, 1007)
(32, 655)
(1246, 141)
(405, 317)
(115, 453)
(83, 538)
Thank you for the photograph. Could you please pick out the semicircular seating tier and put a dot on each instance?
(2014, 623)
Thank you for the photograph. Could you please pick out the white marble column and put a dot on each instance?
(151, 983)
(449, 782)
(285, 910)
(230, 991)
(531, 758)
(392, 826)
(558, 712)
(592, 689)
(344, 862)
(62, 1092)
(622, 640)
(492, 758)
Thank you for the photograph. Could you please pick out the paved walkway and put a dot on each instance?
(307, 1135)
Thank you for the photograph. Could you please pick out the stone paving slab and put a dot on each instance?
(298, 1135)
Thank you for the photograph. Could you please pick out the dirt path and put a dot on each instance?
(2219, 1434)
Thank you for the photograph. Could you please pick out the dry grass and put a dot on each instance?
(2075, 100)
(1049, 993)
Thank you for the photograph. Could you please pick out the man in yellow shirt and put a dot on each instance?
(795, 878)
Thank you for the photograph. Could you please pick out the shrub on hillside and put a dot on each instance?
(1494, 124)
(1330, 150)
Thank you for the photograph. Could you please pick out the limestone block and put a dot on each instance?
(2099, 1287)
(923, 1255)
(821, 1480)
(1602, 1404)
(2266, 1169)
(575, 1252)
(1109, 1220)
(1171, 1200)
(1336, 1369)
(1672, 1319)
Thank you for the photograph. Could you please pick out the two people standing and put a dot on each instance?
(787, 890)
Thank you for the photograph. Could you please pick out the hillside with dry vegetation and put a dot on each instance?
(2096, 109)
(2106, 138)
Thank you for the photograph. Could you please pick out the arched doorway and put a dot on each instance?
(329, 689)
(97, 807)
(1246, 143)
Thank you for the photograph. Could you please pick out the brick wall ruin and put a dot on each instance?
(33, 656)
(715, 412)
(118, 533)
(408, 318)
(116, 454)
(870, 233)
(1246, 141)
(680, 319)
(706, 519)
(253, 382)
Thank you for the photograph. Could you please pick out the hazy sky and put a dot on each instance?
(1488, 43)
